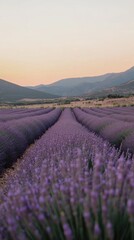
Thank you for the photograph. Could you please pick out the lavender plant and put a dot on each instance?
(115, 131)
(70, 184)
(4, 117)
(15, 136)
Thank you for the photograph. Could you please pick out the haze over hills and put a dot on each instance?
(119, 83)
(87, 85)
(11, 92)
(122, 90)
(125, 88)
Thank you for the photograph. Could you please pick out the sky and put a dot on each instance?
(42, 41)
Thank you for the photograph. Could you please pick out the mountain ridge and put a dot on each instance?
(83, 85)
(13, 92)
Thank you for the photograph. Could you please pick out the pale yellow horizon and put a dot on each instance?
(14, 79)
(44, 41)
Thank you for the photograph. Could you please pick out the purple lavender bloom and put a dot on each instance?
(69, 184)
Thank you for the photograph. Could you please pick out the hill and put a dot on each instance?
(87, 85)
(10, 92)
(124, 89)
(127, 87)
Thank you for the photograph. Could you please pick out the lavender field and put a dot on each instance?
(67, 174)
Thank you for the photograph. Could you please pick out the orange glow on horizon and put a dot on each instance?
(45, 41)
(29, 78)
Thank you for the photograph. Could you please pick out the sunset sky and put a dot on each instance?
(42, 41)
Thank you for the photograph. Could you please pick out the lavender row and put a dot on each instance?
(70, 185)
(125, 116)
(23, 114)
(15, 136)
(122, 110)
(115, 131)
(16, 110)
